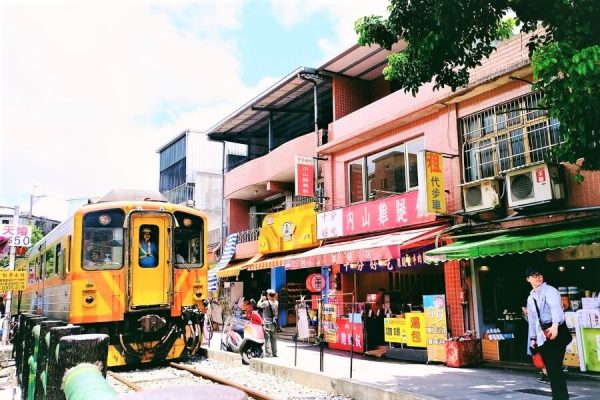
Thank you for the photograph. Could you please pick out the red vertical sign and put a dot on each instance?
(305, 180)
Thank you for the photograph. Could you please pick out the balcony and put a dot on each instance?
(270, 174)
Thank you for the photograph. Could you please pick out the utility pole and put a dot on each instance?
(32, 198)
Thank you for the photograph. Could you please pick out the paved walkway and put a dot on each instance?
(417, 381)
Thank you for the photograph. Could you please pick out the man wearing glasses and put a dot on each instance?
(544, 307)
(148, 250)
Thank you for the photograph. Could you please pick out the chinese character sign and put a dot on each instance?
(305, 180)
(394, 330)
(415, 329)
(435, 326)
(329, 323)
(434, 172)
(18, 235)
(12, 280)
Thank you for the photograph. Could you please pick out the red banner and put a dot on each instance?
(344, 334)
(305, 181)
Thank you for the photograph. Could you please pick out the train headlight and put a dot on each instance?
(197, 292)
(89, 299)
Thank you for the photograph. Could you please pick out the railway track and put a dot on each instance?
(175, 375)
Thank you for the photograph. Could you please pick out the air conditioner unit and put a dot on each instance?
(481, 195)
(535, 185)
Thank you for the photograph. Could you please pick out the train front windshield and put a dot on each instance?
(189, 239)
(103, 240)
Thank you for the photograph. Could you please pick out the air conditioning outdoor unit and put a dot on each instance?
(481, 195)
(535, 185)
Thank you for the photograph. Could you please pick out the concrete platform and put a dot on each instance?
(374, 378)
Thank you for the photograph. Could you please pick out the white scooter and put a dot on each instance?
(244, 336)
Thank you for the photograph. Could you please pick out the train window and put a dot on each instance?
(50, 262)
(103, 240)
(148, 246)
(189, 241)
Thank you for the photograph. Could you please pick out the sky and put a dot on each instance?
(89, 90)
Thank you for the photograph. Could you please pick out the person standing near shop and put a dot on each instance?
(544, 304)
(270, 311)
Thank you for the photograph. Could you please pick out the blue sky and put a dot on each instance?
(83, 83)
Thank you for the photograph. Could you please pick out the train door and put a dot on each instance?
(150, 283)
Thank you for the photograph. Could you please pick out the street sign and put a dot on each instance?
(19, 235)
(12, 280)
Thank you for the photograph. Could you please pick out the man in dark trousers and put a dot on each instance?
(2, 307)
(270, 311)
(544, 305)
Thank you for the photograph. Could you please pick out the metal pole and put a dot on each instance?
(316, 161)
(352, 325)
(295, 349)
(11, 267)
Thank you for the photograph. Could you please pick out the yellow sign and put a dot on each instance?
(329, 323)
(394, 330)
(435, 326)
(434, 172)
(12, 280)
(415, 329)
(291, 229)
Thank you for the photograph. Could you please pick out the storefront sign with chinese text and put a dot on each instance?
(329, 323)
(392, 212)
(415, 329)
(394, 330)
(436, 326)
(19, 235)
(305, 181)
(12, 280)
(409, 259)
(434, 173)
(347, 331)
(287, 230)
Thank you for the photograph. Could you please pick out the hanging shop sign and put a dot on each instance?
(434, 177)
(392, 212)
(287, 230)
(315, 283)
(304, 176)
(409, 259)
(436, 326)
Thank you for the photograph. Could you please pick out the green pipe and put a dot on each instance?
(33, 363)
(85, 382)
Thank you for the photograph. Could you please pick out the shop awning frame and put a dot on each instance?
(228, 252)
(235, 268)
(387, 246)
(514, 243)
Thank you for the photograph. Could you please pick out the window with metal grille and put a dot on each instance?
(506, 136)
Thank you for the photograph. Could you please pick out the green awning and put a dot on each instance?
(510, 243)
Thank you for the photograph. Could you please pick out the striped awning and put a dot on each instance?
(228, 252)
(235, 268)
(276, 261)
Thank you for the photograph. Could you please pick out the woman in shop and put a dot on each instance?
(544, 305)
(375, 322)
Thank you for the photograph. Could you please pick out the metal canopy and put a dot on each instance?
(295, 93)
(512, 243)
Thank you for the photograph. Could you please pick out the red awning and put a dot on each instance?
(380, 247)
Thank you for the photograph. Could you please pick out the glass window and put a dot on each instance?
(148, 250)
(386, 172)
(356, 180)
(49, 262)
(412, 149)
(103, 240)
(189, 241)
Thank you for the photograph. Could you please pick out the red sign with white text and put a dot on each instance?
(305, 181)
(345, 333)
(392, 212)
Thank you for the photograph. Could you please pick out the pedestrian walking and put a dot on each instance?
(547, 330)
(270, 312)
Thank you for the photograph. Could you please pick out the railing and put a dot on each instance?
(180, 194)
(249, 235)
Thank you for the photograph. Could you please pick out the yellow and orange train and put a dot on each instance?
(96, 270)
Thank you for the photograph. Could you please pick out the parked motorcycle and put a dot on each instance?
(244, 336)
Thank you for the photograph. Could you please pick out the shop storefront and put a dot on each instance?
(571, 263)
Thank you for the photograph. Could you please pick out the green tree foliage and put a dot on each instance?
(446, 38)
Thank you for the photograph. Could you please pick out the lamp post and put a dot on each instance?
(32, 198)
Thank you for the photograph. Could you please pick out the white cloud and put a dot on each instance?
(343, 14)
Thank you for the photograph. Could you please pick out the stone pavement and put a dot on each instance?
(393, 379)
